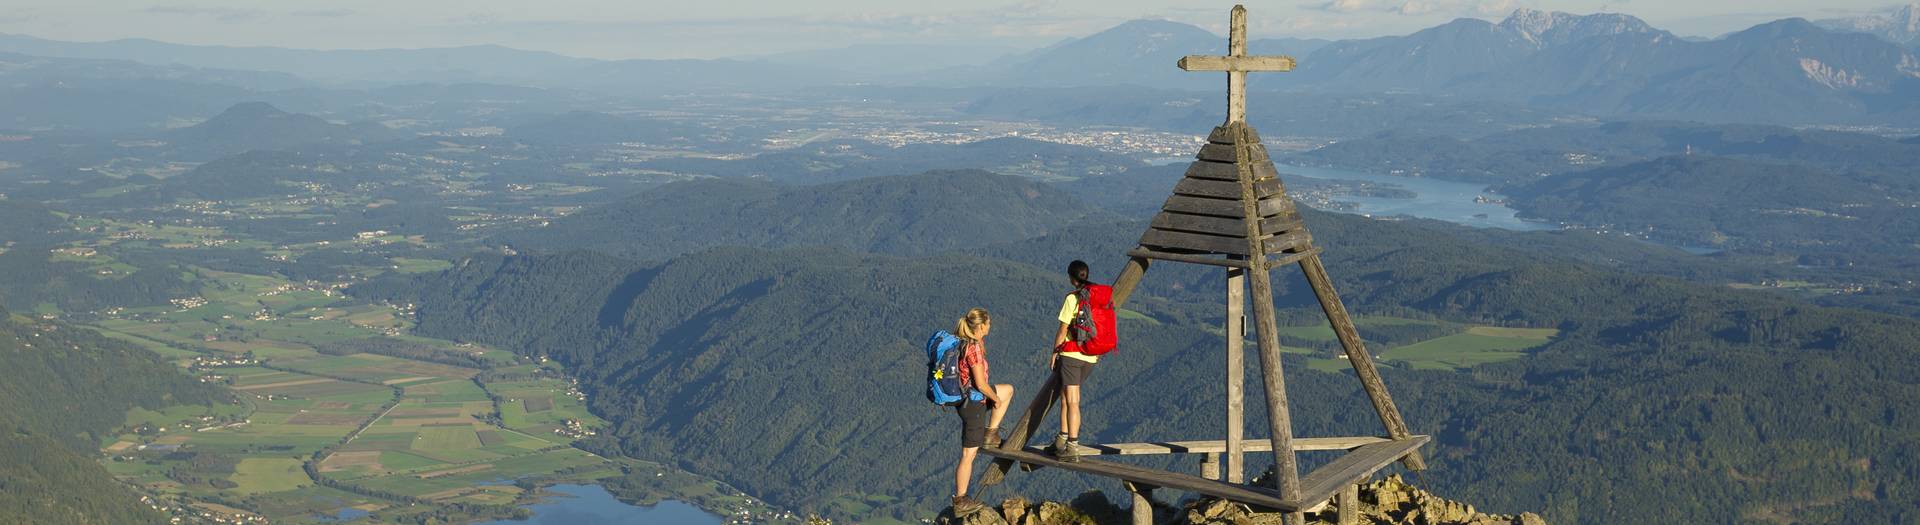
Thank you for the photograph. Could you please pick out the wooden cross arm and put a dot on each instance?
(1236, 63)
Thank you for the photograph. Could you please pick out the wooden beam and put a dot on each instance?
(1225, 135)
(1363, 367)
(1279, 421)
(1257, 496)
(1186, 258)
(1205, 169)
(1356, 466)
(1224, 189)
(1348, 508)
(1236, 63)
(1129, 278)
(1142, 508)
(1224, 206)
(1210, 466)
(1256, 154)
(1236, 330)
(1023, 429)
(1215, 446)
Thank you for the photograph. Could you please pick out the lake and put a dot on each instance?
(1436, 199)
(592, 505)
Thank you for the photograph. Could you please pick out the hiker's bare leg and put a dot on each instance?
(1070, 414)
(964, 474)
(1000, 409)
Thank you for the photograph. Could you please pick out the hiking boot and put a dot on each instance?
(1059, 443)
(993, 438)
(963, 505)
(1069, 452)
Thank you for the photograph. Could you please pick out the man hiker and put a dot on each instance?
(1086, 331)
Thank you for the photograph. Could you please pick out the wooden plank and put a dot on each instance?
(1210, 466)
(1236, 330)
(1225, 190)
(1202, 169)
(1220, 446)
(1223, 226)
(1257, 496)
(1292, 257)
(1356, 466)
(1294, 240)
(1225, 207)
(1223, 135)
(1194, 241)
(1286, 223)
(1185, 258)
(1225, 153)
(1233, 63)
(1357, 356)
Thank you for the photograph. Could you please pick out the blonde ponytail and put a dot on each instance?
(969, 324)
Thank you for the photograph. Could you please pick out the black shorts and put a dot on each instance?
(973, 424)
(1072, 371)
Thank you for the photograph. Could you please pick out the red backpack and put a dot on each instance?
(1092, 330)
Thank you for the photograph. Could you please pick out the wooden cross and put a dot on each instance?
(1237, 64)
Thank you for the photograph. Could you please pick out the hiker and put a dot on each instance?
(1086, 332)
(977, 427)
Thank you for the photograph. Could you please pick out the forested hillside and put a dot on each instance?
(907, 214)
(1658, 401)
(65, 386)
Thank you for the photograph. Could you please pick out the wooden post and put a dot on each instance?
(1129, 277)
(1348, 506)
(1236, 374)
(1279, 421)
(1316, 273)
(1023, 429)
(1210, 465)
(1237, 80)
(1142, 503)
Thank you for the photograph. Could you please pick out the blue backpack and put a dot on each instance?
(943, 371)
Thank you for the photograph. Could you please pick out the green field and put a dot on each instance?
(262, 475)
(1477, 345)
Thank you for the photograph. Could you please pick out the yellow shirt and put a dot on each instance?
(1068, 310)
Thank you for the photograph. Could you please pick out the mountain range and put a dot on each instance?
(1902, 26)
(1609, 64)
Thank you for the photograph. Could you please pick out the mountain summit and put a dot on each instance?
(1901, 26)
(1546, 29)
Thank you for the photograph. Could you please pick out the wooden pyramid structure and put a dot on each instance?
(1232, 211)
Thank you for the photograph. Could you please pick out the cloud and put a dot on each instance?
(1345, 6)
(323, 13)
(223, 14)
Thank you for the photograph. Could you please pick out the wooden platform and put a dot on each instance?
(1368, 455)
(1217, 446)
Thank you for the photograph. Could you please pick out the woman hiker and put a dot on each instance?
(977, 427)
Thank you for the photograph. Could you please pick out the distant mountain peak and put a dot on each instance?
(1549, 28)
(250, 110)
(1900, 26)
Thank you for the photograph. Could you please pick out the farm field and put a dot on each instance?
(383, 434)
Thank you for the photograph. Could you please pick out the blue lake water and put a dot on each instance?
(1443, 200)
(592, 505)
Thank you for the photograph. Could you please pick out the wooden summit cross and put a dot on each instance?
(1231, 211)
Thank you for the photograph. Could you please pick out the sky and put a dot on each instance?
(721, 28)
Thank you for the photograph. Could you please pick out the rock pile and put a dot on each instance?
(1389, 501)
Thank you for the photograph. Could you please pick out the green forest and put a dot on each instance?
(1659, 400)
